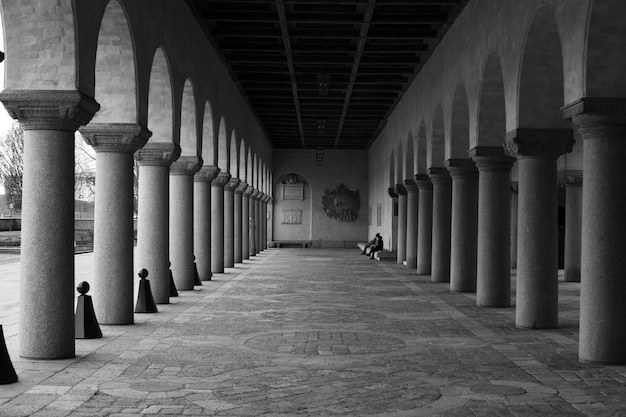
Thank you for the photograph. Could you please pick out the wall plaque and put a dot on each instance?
(292, 216)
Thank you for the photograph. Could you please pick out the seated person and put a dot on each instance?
(374, 245)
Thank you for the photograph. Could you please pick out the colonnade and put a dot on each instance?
(476, 225)
(187, 212)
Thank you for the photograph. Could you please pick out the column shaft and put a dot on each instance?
(401, 252)
(229, 222)
(573, 226)
(412, 200)
(464, 224)
(217, 222)
(424, 225)
(153, 215)
(514, 216)
(537, 242)
(245, 223)
(202, 220)
(49, 119)
(494, 234)
(114, 236)
(238, 202)
(602, 125)
(442, 214)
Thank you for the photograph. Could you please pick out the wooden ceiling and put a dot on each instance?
(324, 72)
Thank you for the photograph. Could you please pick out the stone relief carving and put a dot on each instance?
(292, 216)
(341, 203)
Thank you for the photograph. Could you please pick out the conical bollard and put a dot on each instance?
(7, 372)
(145, 301)
(196, 276)
(173, 290)
(85, 323)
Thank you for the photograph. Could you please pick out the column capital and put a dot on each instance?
(207, 173)
(255, 194)
(221, 180)
(410, 186)
(248, 191)
(461, 168)
(423, 182)
(571, 177)
(439, 175)
(232, 184)
(115, 137)
(158, 154)
(539, 143)
(400, 190)
(49, 109)
(491, 158)
(186, 165)
(241, 187)
(392, 192)
(268, 199)
(598, 118)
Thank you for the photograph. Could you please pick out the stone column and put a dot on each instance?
(537, 243)
(424, 225)
(217, 221)
(442, 214)
(266, 203)
(602, 125)
(153, 238)
(401, 252)
(573, 224)
(202, 219)
(245, 222)
(114, 235)
(49, 120)
(181, 220)
(412, 200)
(259, 224)
(238, 196)
(254, 199)
(464, 224)
(229, 222)
(514, 215)
(494, 226)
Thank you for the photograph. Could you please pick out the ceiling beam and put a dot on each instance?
(365, 26)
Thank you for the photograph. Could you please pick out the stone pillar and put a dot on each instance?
(268, 220)
(424, 224)
(537, 243)
(401, 250)
(254, 199)
(263, 215)
(114, 235)
(238, 198)
(442, 214)
(602, 125)
(229, 222)
(245, 222)
(464, 224)
(514, 215)
(217, 221)
(49, 120)
(202, 219)
(573, 224)
(181, 220)
(153, 239)
(494, 226)
(260, 221)
(412, 200)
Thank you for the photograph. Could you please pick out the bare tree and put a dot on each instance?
(85, 174)
(11, 164)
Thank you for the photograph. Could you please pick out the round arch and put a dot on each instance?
(188, 127)
(437, 139)
(208, 136)
(491, 109)
(160, 110)
(222, 146)
(422, 151)
(458, 143)
(233, 160)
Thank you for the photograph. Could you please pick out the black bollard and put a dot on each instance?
(85, 323)
(7, 372)
(173, 290)
(145, 301)
(196, 276)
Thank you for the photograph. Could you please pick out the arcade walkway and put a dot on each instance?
(319, 333)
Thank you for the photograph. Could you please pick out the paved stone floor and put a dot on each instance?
(319, 333)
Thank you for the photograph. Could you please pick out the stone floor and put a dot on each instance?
(320, 333)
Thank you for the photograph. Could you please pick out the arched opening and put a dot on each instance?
(491, 110)
(422, 151)
(233, 165)
(243, 166)
(188, 128)
(222, 146)
(399, 165)
(208, 137)
(392, 170)
(408, 170)
(458, 143)
(160, 110)
(115, 81)
(250, 166)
